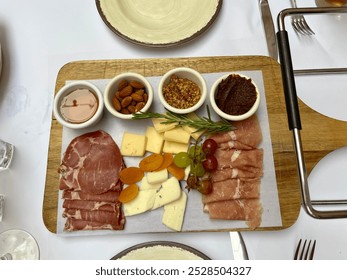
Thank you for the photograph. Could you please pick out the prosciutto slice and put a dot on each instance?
(110, 196)
(239, 158)
(77, 224)
(233, 189)
(91, 163)
(249, 210)
(233, 173)
(105, 217)
(92, 205)
(247, 132)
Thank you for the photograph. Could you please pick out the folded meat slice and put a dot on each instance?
(233, 189)
(92, 205)
(76, 224)
(239, 158)
(109, 196)
(91, 163)
(249, 210)
(247, 132)
(106, 217)
(233, 173)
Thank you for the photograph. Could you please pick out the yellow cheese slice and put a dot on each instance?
(133, 144)
(178, 135)
(143, 202)
(160, 127)
(155, 140)
(169, 191)
(174, 213)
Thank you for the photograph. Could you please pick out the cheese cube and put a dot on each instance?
(169, 191)
(174, 213)
(177, 134)
(174, 147)
(143, 202)
(157, 177)
(155, 140)
(160, 127)
(144, 185)
(192, 130)
(133, 144)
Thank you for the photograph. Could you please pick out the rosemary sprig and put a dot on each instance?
(205, 124)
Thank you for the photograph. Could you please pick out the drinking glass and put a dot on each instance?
(17, 244)
(6, 155)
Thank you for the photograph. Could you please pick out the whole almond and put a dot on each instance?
(117, 96)
(131, 109)
(126, 101)
(139, 106)
(145, 97)
(137, 97)
(136, 84)
(125, 111)
(140, 92)
(116, 104)
(126, 91)
(122, 84)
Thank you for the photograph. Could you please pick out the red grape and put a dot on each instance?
(210, 163)
(209, 146)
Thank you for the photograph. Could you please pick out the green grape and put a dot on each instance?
(197, 169)
(182, 160)
(195, 152)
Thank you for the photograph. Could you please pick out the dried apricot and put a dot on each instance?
(131, 175)
(168, 159)
(176, 171)
(128, 193)
(151, 162)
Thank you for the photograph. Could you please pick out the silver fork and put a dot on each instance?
(304, 253)
(299, 23)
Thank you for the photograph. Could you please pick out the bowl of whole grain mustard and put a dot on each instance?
(234, 97)
(182, 90)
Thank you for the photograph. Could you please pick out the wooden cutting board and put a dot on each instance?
(284, 156)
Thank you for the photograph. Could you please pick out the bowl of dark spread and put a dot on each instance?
(234, 97)
(182, 90)
(78, 105)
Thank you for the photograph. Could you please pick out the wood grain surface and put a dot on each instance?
(284, 156)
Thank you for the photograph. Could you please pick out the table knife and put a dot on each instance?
(238, 246)
(269, 28)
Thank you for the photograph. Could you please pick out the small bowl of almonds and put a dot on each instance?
(182, 90)
(127, 94)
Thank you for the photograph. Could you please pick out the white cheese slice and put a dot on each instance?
(143, 202)
(157, 177)
(174, 147)
(178, 135)
(169, 191)
(192, 130)
(133, 144)
(155, 140)
(174, 213)
(144, 185)
(160, 127)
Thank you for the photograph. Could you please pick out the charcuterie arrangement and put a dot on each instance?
(178, 154)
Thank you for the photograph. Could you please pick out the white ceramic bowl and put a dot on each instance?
(188, 73)
(67, 89)
(112, 88)
(226, 116)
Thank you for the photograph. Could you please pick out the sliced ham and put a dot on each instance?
(233, 173)
(105, 217)
(249, 210)
(109, 196)
(239, 158)
(92, 205)
(233, 189)
(247, 132)
(91, 163)
(77, 224)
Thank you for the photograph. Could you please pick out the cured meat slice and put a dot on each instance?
(109, 196)
(105, 217)
(249, 210)
(247, 132)
(234, 144)
(76, 224)
(92, 205)
(239, 159)
(232, 173)
(233, 189)
(91, 163)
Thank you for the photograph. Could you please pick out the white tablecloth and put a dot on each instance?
(38, 37)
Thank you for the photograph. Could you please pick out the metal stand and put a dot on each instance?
(293, 109)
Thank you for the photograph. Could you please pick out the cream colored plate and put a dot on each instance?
(158, 23)
(160, 250)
